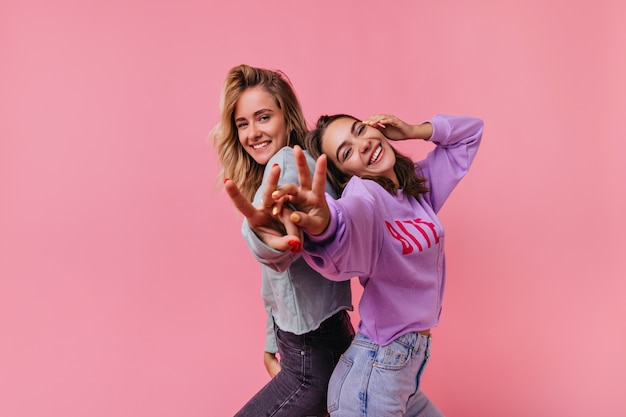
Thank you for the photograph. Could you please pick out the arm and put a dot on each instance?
(457, 139)
(272, 365)
(265, 235)
(275, 257)
(279, 259)
(396, 129)
(260, 218)
(330, 230)
(351, 244)
(269, 356)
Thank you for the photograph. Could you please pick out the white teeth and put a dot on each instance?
(376, 154)
(260, 145)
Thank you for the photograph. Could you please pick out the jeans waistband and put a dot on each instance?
(412, 339)
(338, 317)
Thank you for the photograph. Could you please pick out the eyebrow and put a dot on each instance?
(342, 144)
(256, 113)
(353, 128)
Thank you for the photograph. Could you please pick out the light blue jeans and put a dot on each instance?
(381, 381)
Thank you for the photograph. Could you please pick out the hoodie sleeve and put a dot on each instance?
(354, 225)
(457, 139)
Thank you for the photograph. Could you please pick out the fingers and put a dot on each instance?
(282, 195)
(290, 242)
(304, 175)
(319, 179)
(241, 203)
(381, 118)
(381, 121)
(309, 197)
(314, 224)
(259, 218)
(390, 126)
(270, 186)
(292, 192)
(294, 232)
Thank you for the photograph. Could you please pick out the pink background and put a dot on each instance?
(125, 287)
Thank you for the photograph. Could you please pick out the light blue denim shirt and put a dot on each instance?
(297, 298)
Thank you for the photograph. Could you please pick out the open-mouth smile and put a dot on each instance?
(376, 155)
(260, 145)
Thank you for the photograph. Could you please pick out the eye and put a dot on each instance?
(361, 129)
(241, 125)
(264, 118)
(346, 153)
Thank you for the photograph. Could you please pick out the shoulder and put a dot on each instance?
(285, 157)
(282, 157)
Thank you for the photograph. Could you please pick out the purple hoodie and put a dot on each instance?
(395, 244)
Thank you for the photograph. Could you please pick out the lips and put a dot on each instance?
(376, 154)
(260, 145)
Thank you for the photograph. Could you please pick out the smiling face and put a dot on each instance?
(260, 124)
(358, 149)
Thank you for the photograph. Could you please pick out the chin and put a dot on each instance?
(265, 158)
(262, 161)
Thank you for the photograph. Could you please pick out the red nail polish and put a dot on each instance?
(293, 243)
(226, 179)
(274, 166)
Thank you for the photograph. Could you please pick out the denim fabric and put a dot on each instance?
(381, 381)
(296, 297)
(307, 361)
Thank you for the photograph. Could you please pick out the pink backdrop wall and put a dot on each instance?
(125, 287)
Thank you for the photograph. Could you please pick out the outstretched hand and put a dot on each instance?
(278, 231)
(312, 212)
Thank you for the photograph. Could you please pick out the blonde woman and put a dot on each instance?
(308, 325)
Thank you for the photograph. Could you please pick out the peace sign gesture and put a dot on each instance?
(312, 212)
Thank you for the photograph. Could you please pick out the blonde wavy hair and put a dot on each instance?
(236, 163)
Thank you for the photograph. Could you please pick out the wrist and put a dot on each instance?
(423, 131)
(322, 228)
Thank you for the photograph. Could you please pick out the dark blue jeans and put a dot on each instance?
(307, 362)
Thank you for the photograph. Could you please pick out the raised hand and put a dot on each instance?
(395, 129)
(312, 212)
(278, 231)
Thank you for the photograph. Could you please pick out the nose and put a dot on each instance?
(365, 145)
(253, 130)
